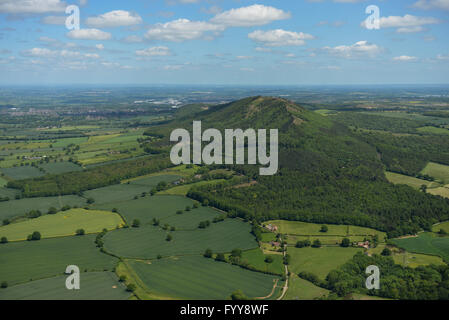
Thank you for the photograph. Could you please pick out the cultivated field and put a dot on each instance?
(24, 172)
(148, 242)
(94, 286)
(63, 224)
(200, 278)
(256, 259)
(426, 243)
(60, 167)
(25, 261)
(149, 207)
(15, 208)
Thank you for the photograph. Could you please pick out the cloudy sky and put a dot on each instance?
(255, 42)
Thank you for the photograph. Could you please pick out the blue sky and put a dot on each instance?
(224, 42)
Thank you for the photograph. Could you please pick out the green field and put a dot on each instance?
(7, 192)
(148, 242)
(25, 172)
(145, 209)
(116, 192)
(319, 261)
(304, 229)
(441, 191)
(200, 278)
(61, 143)
(256, 259)
(300, 289)
(3, 182)
(152, 181)
(438, 171)
(426, 243)
(442, 225)
(433, 130)
(63, 224)
(31, 260)
(184, 189)
(415, 183)
(60, 167)
(190, 220)
(16, 208)
(93, 286)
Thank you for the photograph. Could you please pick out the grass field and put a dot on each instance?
(61, 143)
(184, 189)
(190, 220)
(3, 182)
(200, 278)
(426, 243)
(325, 240)
(300, 289)
(60, 167)
(63, 224)
(15, 208)
(441, 191)
(438, 171)
(93, 286)
(148, 242)
(319, 261)
(25, 172)
(152, 181)
(145, 209)
(415, 183)
(433, 130)
(31, 260)
(443, 225)
(414, 260)
(7, 192)
(256, 259)
(304, 228)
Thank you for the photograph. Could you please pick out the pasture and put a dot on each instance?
(198, 278)
(16, 208)
(425, 243)
(184, 189)
(319, 261)
(441, 191)
(152, 181)
(3, 182)
(442, 225)
(148, 242)
(438, 171)
(415, 183)
(300, 289)
(63, 224)
(306, 229)
(256, 259)
(32, 260)
(93, 286)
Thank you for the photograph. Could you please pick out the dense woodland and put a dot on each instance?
(396, 282)
(77, 182)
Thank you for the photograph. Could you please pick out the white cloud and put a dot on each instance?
(255, 15)
(358, 49)
(132, 39)
(443, 57)
(405, 58)
(58, 20)
(432, 4)
(181, 30)
(154, 51)
(117, 18)
(99, 46)
(39, 52)
(279, 37)
(405, 24)
(31, 6)
(89, 34)
(92, 55)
